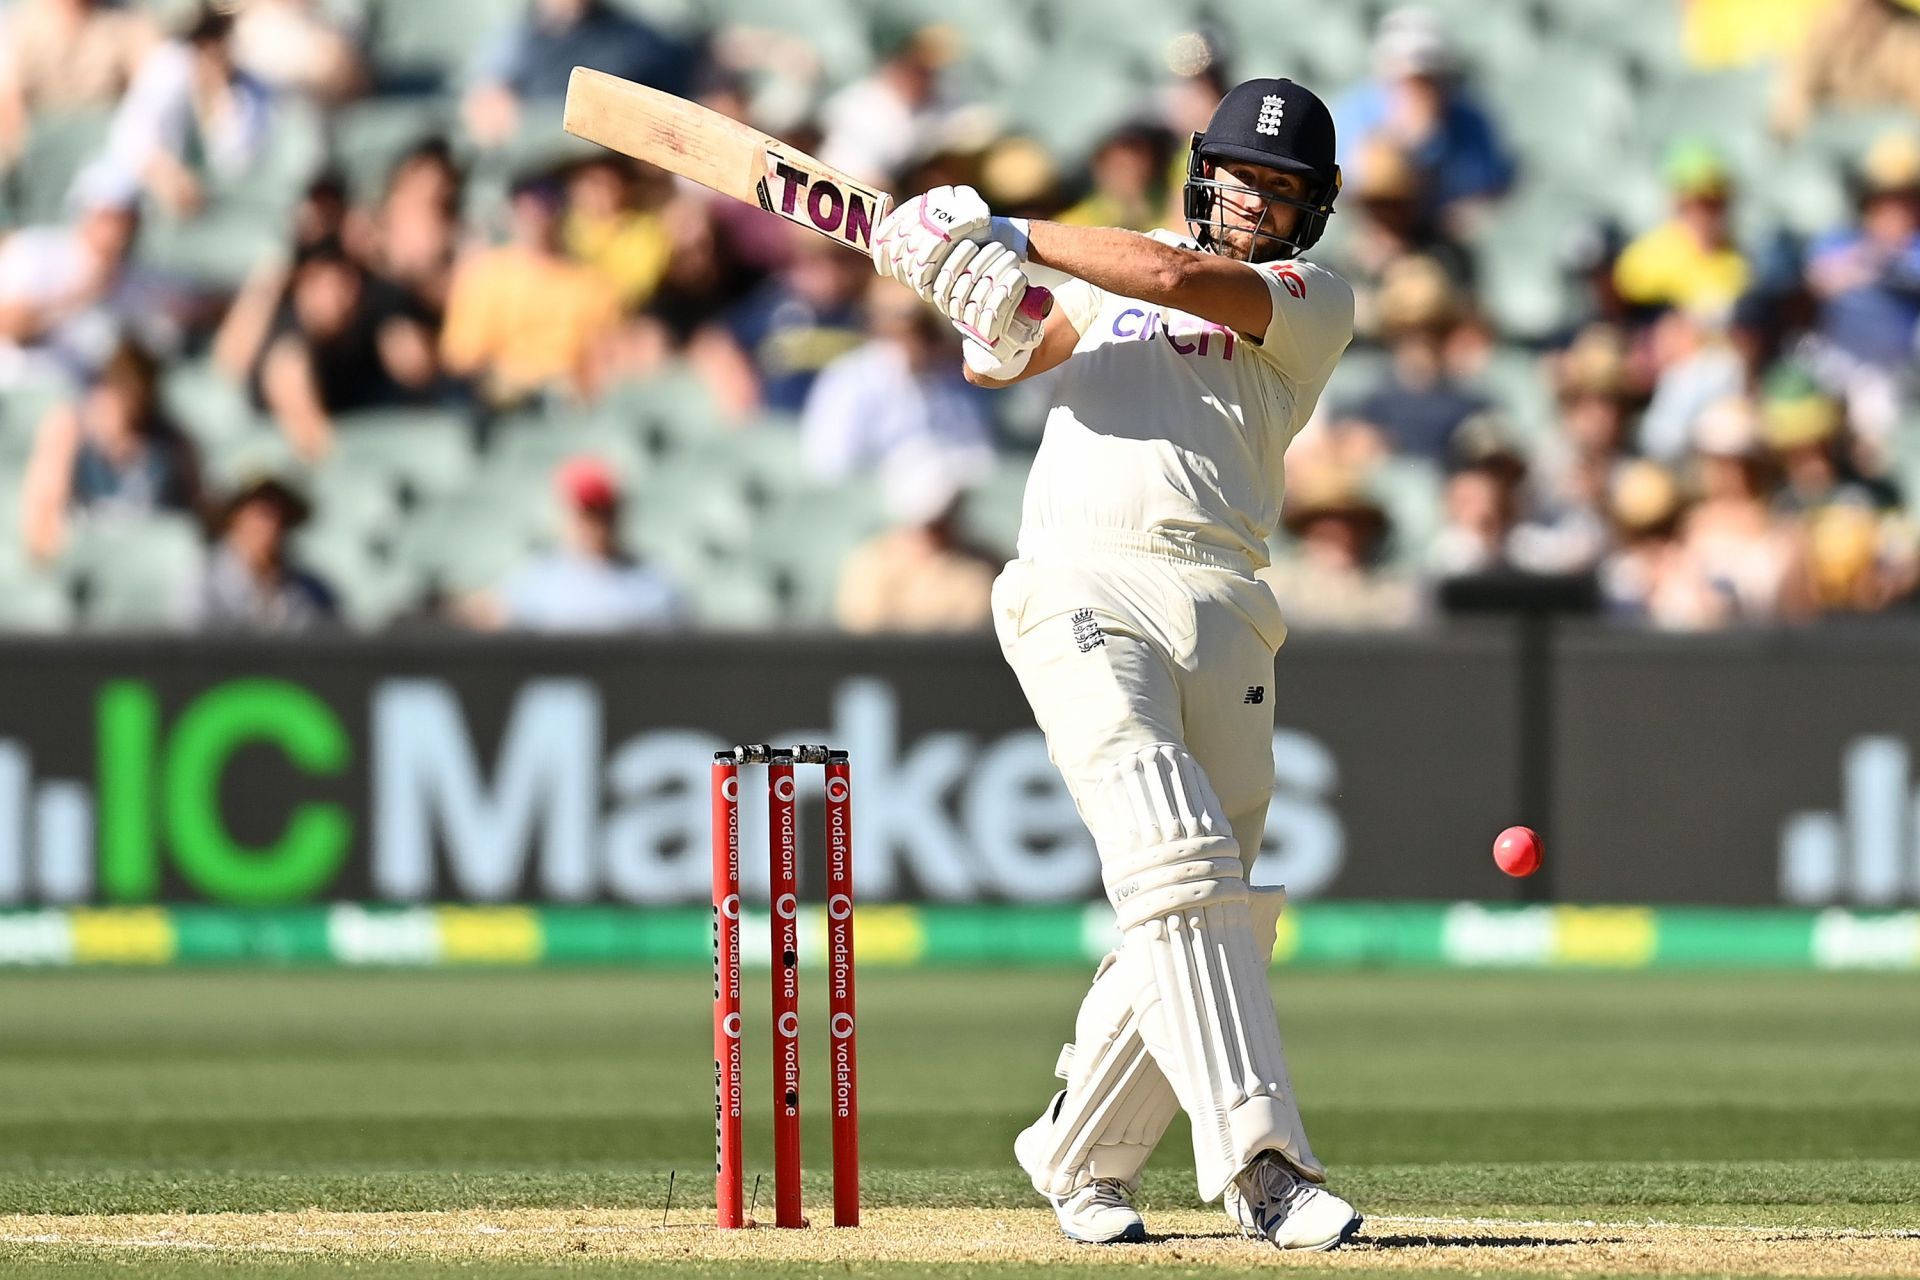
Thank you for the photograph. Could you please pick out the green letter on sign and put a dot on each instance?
(314, 842)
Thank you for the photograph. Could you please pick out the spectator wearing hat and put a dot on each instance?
(1566, 529)
(900, 389)
(1649, 577)
(65, 56)
(1419, 403)
(1689, 261)
(1867, 280)
(531, 60)
(1480, 504)
(250, 583)
(1418, 102)
(1807, 434)
(592, 583)
(1754, 557)
(1393, 223)
(921, 575)
(1332, 578)
(523, 318)
(113, 454)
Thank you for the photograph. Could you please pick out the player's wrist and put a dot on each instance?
(1011, 232)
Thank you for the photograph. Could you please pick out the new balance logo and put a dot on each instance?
(1256, 694)
(1867, 852)
(1272, 108)
(1086, 631)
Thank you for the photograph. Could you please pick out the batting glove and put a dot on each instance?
(1002, 360)
(981, 288)
(913, 242)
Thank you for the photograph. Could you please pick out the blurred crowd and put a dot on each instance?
(1725, 419)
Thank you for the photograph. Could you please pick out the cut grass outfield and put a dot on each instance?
(1586, 1105)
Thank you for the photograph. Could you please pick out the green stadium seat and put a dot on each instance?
(134, 574)
(991, 515)
(36, 603)
(1516, 379)
(525, 449)
(422, 451)
(58, 146)
(436, 38)
(370, 135)
(734, 599)
(1410, 491)
(1068, 113)
(462, 547)
(372, 589)
(207, 404)
(22, 409)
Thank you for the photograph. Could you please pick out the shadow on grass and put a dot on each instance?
(1480, 1242)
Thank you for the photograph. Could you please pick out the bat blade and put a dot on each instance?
(724, 155)
(737, 160)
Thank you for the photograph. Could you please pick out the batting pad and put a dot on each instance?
(1173, 873)
(1117, 1103)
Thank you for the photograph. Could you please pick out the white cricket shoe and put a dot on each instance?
(1101, 1212)
(1271, 1202)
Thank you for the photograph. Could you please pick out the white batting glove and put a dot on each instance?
(980, 288)
(912, 243)
(1005, 359)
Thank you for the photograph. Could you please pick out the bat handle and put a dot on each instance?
(1037, 304)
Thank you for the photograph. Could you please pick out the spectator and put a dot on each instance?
(1807, 433)
(1649, 578)
(345, 343)
(614, 225)
(901, 388)
(523, 318)
(1753, 557)
(1417, 103)
(793, 326)
(591, 583)
(921, 575)
(1566, 530)
(1126, 170)
(65, 56)
(1695, 364)
(874, 127)
(1333, 579)
(1856, 53)
(1481, 507)
(412, 238)
(320, 218)
(190, 116)
(1690, 260)
(1418, 405)
(1867, 280)
(113, 454)
(299, 46)
(532, 60)
(1393, 224)
(249, 582)
(62, 287)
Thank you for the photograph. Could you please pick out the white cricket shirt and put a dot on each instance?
(1168, 431)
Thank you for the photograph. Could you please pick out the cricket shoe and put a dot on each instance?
(1101, 1212)
(1271, 1202)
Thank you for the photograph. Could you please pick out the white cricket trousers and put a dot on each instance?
(1120, 649)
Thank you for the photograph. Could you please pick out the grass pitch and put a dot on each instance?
(524, 1124)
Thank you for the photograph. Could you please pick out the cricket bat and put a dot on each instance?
(735, 160)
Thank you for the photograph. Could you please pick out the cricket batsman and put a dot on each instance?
(1144, 642)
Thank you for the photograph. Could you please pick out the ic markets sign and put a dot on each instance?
(495, 785)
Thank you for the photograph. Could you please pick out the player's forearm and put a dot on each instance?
(1136, 266)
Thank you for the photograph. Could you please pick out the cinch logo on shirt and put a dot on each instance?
(1193, 338)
